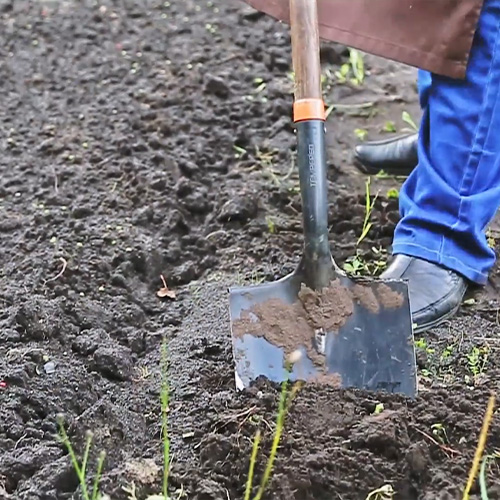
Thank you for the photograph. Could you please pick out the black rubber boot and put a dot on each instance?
(395, 156)
(435, 292)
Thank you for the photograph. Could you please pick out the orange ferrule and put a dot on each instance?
(308, 109)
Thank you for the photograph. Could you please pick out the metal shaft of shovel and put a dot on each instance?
(350, 333)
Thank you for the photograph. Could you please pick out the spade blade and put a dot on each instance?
(352, 334)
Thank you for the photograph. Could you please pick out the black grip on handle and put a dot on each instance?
(311, 154)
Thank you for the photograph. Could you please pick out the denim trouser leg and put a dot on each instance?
(450, 198)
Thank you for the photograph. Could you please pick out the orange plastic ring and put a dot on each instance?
(309, 109)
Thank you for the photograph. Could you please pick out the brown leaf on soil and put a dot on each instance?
(164, 291)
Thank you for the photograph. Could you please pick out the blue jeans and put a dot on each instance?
(450, 198)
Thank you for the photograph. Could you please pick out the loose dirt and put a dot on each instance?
(291, 326)
(327, 309)
(148, 138)
(388, 297)
(366, 297)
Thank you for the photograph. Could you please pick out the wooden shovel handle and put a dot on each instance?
(305, 49)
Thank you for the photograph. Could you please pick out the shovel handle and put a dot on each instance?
(308, 103)
(309, 117)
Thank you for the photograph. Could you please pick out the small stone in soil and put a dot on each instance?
(49, 367)
(216, 86)
(88, 341)
(114, 363)
(240, 208)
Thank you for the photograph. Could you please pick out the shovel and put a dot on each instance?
(317, 324)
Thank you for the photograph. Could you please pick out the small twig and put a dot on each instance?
(61, 272)
(226, 420)
(226, 60)
(243, 413)
(104, 161)
(216, 233)
(442, 446)
(18, 442)
(56, 182)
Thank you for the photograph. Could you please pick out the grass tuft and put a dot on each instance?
(286, 398)
(482, 474)
(253, 459)
(164, 398)
(369, 204)
(81, 469)
(480, 447)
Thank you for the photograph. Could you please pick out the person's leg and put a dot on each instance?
(424, 82)
(454, 192)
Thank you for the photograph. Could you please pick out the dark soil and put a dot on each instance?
(139, 140)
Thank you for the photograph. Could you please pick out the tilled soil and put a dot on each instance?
(149, 139)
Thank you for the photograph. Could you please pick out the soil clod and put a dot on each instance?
(293, 325)
(388, 297)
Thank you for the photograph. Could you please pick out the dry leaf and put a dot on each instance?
(164, 291)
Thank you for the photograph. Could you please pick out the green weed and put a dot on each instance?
(357, 265)
(422, 344)
(286, 398)
(477, 360)
(482, 473)
(342, 73)
(354, 71)
(81, 468)
(389, 127)
(360, 133)
(490, 238)
(363, 109)
(357, 66)
(369, 204)
(164, 398)
(271, 225)
(393, 194)
(440, 361)
(384, 175)
(406, 117)
(240, 152)
(439, 431)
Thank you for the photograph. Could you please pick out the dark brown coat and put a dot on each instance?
(435, 35)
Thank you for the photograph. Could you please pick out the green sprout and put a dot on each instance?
(286, 398)
(482, 474)
(369, 204)
(409, 120)
(81, 468)
(477, 359)
(164, 398)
